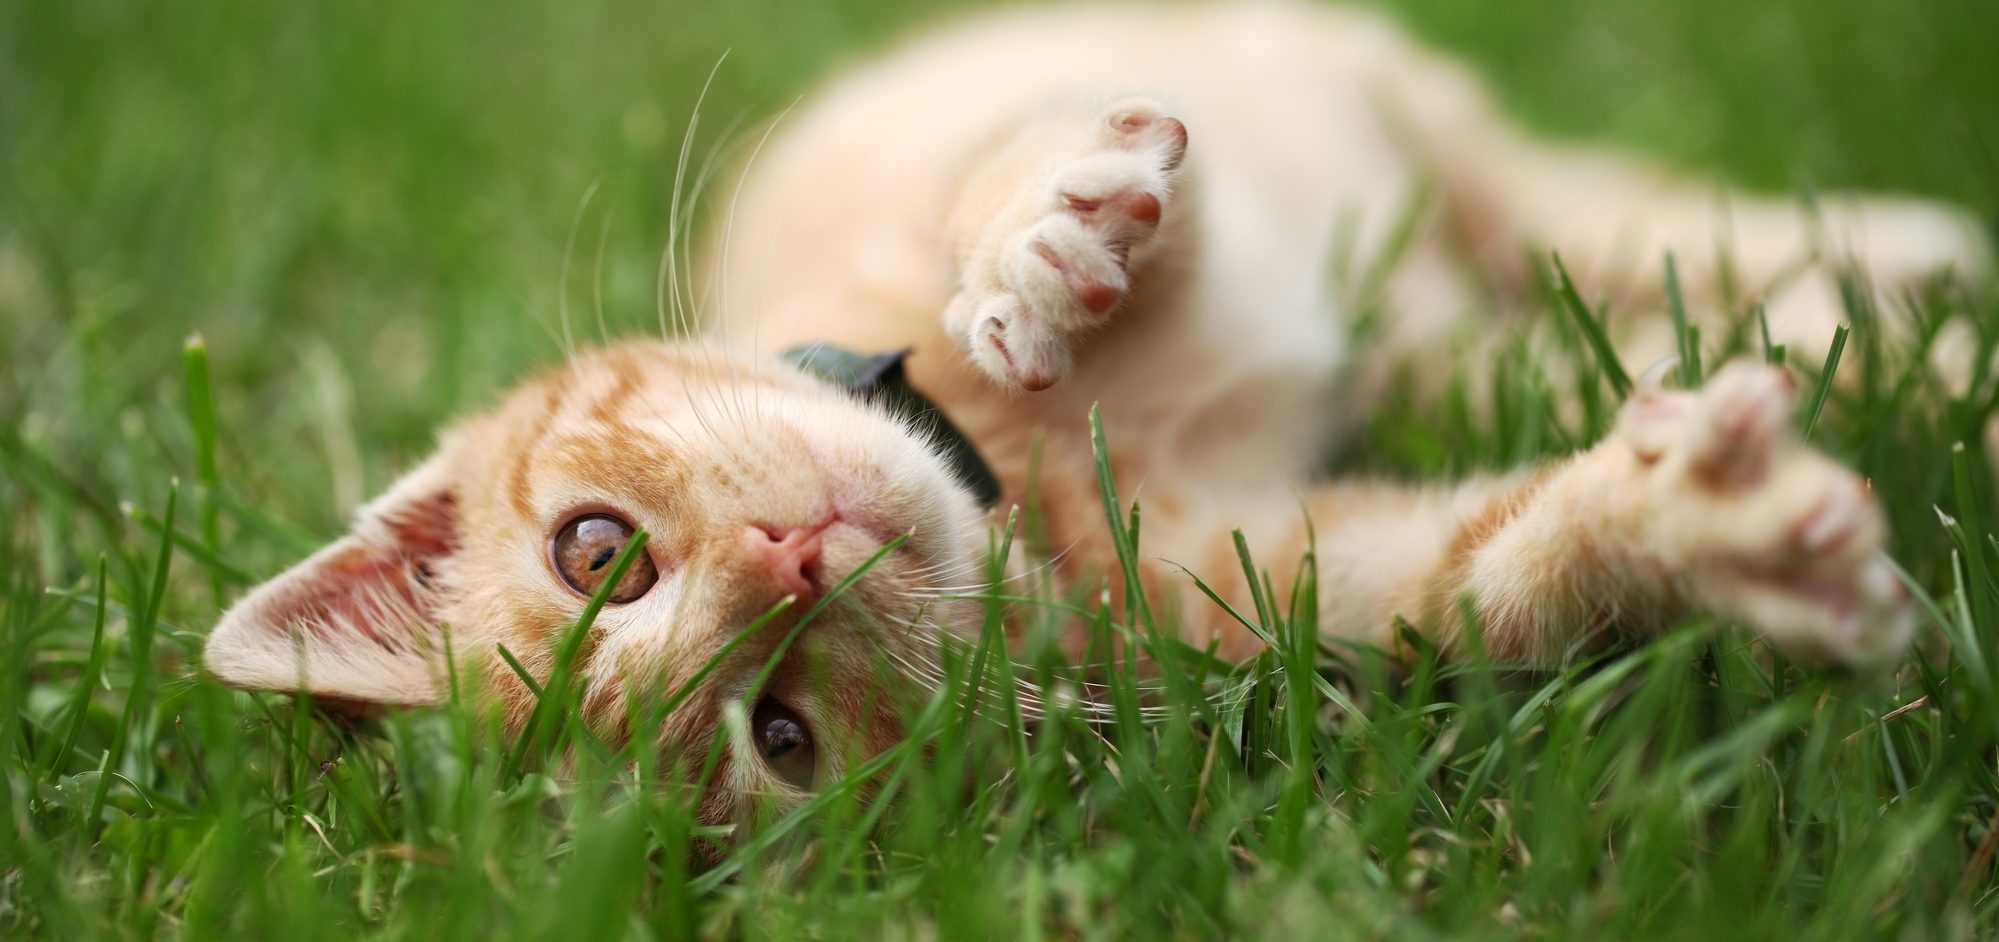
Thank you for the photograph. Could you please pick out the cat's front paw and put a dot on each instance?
(1755, 525)
(1056, 261)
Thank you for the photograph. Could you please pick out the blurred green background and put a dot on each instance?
(364, 205)
(376, 212)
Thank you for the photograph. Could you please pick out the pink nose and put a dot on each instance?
(789, 554)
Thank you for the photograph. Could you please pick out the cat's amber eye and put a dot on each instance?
(785, 742)
(583, 551)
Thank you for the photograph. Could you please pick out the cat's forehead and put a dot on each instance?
(635, 396)
(648, 422)
(639, 381)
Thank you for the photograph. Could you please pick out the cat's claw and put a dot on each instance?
(1031, 292)
(1029, 353)
(1755, 525)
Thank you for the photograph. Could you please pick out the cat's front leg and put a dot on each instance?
(1760, 526)
(1049, 230)
(1701, 501)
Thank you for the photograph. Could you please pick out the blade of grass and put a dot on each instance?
(1685, 335)
(140, 643)
(1592, 331)
(559, 690)
(1825, 381)
(201, 414)
(93, 674)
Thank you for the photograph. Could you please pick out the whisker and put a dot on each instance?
(675, 221)
(597, 280)
(934, 643)
(568, 253)
(728, 231)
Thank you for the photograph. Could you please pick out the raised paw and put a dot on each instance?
(1070, 213)
(1752, 524)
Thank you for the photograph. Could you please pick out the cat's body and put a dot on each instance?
(1135, 208)
(1218, 371)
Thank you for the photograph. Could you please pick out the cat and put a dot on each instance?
(1130, 207)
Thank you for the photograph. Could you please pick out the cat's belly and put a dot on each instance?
(837, 236)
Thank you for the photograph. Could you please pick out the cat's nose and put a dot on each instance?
(789, 554)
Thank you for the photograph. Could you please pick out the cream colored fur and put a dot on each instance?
(1136, 207)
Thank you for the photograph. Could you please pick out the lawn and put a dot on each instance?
(372, 215)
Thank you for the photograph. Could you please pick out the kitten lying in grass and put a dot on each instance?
(1132, 208)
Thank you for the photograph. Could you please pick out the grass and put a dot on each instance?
(362, 210)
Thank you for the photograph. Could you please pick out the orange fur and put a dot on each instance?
(999, 198)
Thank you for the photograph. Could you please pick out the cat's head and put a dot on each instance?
(753, 482)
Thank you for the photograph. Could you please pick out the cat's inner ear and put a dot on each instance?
(357, 622)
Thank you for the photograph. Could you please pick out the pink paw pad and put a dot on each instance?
(1747, 411)
(1134, 205)
(1095, 296)
(1030, 294)
(1837, 520)
(1149, 129)
(1024, 350)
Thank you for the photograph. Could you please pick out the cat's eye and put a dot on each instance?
(584, 549)
(785, 742)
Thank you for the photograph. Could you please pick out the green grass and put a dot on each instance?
(363, 208)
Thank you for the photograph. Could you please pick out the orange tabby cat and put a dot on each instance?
(1132, 207)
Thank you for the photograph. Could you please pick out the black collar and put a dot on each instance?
(880, 380)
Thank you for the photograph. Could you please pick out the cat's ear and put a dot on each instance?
(357, 622)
